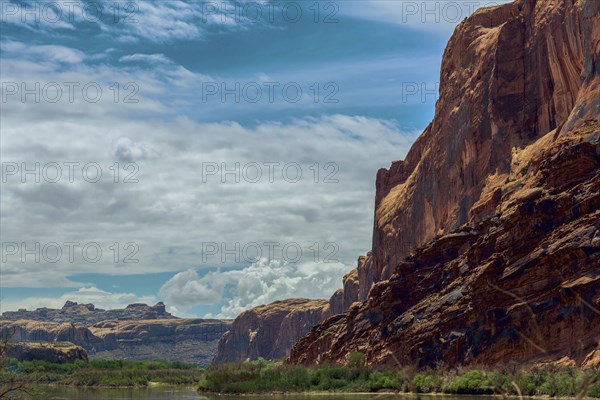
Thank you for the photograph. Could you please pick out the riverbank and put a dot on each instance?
(277, 378)
(259, 378)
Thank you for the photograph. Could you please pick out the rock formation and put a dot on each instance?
(88, 314)
(500, 198)
(519, 89)
(510, 74)
(269, 331)
(193, 341)
(522, 285)
(60, 353)
(173, 339)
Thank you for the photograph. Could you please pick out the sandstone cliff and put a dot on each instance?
(269, 331)
(522, 285)
(500, 197)
(173, 339)
(510, 74)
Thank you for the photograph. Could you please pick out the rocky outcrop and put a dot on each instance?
(87, 314)
(522, 285)
(61, 353)
(510, 74)
(269, 331)
(174, 339)
(499, 197)
(343, 298)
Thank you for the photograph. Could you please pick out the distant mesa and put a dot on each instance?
(87, 314)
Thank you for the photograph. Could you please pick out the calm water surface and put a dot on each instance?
(189, 394)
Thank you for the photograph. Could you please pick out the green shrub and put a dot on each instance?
(356, 360)
(385, 380)
(472, 382)
(528, 383)
(594, 390)
(559, 383)
(426, 383)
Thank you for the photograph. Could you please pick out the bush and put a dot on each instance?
(426, 383)
(385, 380)
(559, 383)
(472, 382)
(356, 360)
(594, 390)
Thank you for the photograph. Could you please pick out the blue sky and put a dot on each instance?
(162, 117)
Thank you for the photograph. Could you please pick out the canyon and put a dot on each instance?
(486, 237)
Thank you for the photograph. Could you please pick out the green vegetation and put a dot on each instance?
(472, 382)
(101, 373)
(262, 376)
(426, 383)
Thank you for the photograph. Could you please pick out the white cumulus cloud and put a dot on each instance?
(262, 282)
(147, 58)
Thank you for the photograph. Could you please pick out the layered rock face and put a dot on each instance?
(173, 339)
(510, 74)
(500, 198)
(269, 331)
(193, 341)
(522, 285)
(59, 353)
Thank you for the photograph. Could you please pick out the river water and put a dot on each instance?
(178, 393)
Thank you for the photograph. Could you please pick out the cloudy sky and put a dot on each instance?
(212, 155)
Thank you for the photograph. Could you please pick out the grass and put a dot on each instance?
(263, 377)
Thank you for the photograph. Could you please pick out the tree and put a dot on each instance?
(8, 387)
